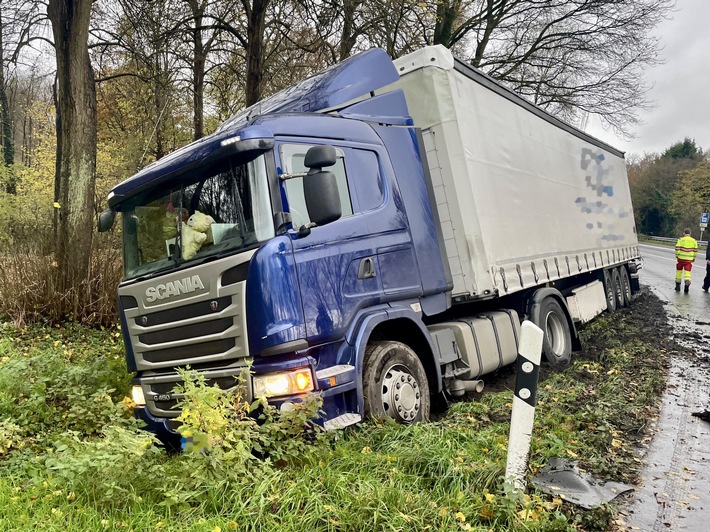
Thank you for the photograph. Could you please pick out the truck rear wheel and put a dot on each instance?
(618, 288)
(626, 285)
(557, 342)
(395, 384)
(609, 291)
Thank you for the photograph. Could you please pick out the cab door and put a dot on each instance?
(363, 259)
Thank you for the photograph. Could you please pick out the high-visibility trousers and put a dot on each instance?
(683, 265)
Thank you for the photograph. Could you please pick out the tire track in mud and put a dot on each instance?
(675, 493)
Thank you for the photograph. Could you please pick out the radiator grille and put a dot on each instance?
(211, 330)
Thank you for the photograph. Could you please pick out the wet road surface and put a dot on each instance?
(675, 494)
(659, 273)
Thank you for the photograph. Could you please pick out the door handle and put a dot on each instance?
(366, 269)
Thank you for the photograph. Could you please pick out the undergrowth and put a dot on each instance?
(73, 458)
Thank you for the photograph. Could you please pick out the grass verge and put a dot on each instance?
(70, 459)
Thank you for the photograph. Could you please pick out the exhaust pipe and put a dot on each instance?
(458, 387)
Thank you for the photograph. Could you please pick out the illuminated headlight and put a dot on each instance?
(138, 396)
(287, 383)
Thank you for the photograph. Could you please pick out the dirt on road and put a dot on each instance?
(673, 491)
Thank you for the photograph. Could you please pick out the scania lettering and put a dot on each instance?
(175, 288)
(378, 233)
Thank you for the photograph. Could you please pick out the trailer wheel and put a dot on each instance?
(557, 342)
(609, 291)
(395, 383)
(618, 288)
(626, 285)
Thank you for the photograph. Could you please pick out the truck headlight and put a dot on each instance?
(286, 383)
(138, 397)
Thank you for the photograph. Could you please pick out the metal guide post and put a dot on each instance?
(523, 415)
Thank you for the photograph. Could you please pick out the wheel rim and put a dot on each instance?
(401, 396)
(609, 289)
(626, 286)
(618, 291)
(555, 330)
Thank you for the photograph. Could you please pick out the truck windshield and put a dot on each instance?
(221, 210)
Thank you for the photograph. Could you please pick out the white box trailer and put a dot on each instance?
(523, 198)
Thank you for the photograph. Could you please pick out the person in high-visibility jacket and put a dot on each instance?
(686, 249)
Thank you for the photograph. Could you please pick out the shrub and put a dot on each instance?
(231, 431)
(58, 385)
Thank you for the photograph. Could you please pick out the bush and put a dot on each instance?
(57, 385)
(231, 431)
(230, 451)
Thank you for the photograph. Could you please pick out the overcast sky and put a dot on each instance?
(681, 86)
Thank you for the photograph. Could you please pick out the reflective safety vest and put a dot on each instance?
(686, 248)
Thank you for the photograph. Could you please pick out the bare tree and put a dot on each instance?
(572, 57)
(19, 20)
(200, 49)
(336, 26)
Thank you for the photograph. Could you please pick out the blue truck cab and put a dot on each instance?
(300, 296)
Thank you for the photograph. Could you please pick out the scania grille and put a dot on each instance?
(202, 328)
(195, 351)
(188, 331)
(202, 308)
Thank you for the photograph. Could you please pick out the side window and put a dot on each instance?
(369, 185)
(292, 157)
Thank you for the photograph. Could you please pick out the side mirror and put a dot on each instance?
(106, 220)
(322, 199)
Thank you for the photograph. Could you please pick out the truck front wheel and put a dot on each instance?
(394, 383)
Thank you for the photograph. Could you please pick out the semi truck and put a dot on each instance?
(374, 234)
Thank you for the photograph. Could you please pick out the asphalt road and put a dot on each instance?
(675, 494)
(658, 272)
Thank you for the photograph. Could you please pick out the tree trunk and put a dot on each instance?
(198, 89)
(255, 50)
(8, 148)
(446, 13)
(198, 70)
(76, 142)
(348, 36)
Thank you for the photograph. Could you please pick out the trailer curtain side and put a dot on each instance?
(523, 198)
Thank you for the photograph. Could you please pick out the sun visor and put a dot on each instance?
(390, 108)
(349, 80)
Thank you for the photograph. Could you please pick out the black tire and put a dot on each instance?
(557, 341)
(626, 285)
(609, 291)
(395, 384)
(618, 288)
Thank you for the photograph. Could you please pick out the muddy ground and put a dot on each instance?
(673, 487)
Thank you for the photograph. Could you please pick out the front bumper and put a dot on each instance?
(163, 428)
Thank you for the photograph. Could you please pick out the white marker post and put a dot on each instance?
(523, 415)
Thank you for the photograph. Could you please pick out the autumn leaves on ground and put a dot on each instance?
(71, 458)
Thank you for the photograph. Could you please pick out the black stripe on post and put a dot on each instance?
(526, 380)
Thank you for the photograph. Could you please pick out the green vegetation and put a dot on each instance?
(670, 190)
(72, 458)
